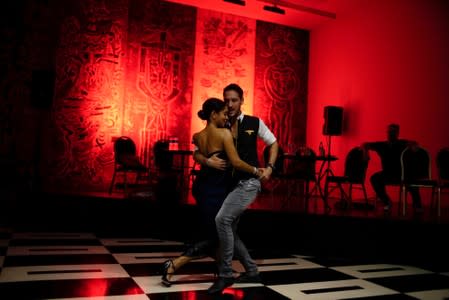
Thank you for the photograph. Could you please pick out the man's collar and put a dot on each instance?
(238, 119)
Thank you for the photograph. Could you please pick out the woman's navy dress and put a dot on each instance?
(210, 188)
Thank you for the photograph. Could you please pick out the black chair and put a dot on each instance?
(169, 183)
(416, 172)
(194, 172)
(442, 161)
(301, 171)
(163, 159)
(126, 161)
(356, 165)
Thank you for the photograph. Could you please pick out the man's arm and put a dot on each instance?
(412, 143)
(269, 139)
(214, 161)
(272, 156)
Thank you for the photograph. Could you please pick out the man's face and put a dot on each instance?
(233, 102)
(392, 133)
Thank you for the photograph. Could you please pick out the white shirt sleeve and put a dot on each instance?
(265, 134)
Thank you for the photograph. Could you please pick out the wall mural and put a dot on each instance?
(281, 81)
(226, 50)
(224, 53)
(159, 74)
(88, 93)
(142, 69)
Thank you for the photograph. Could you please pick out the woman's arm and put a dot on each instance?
(233, 156)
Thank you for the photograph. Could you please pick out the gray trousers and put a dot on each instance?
(226, 222)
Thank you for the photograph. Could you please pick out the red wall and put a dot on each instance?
(143, 68)
(385, 61)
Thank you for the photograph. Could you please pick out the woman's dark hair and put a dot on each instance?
(210, 105)
(234, 87)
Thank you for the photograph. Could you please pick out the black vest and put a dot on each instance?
(247, 145)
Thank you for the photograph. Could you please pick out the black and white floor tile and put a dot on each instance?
(59, 265)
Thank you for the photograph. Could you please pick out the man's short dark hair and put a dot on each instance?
(234, 87)
(393, 125)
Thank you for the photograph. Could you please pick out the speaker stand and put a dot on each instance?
(327, 172)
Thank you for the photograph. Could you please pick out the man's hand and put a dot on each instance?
(264, 173)
(215, 162)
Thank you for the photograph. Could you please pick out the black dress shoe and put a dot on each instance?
(220, 284)
(247, 278)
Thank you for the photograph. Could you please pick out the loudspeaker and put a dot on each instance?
(333, 120)
(42, 88)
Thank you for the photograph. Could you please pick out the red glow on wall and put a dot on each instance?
(115, 78)
(371, 63)
(144, 70)
(224, 54)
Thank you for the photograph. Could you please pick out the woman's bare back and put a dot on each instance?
(209, 140)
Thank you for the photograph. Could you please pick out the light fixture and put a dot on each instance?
(274, 9)
(238, 2)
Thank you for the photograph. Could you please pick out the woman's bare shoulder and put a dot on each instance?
(224, 132)
(222, 129)
(198, 134)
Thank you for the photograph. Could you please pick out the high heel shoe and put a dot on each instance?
(167, 264)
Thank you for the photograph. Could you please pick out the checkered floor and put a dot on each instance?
(58, 265)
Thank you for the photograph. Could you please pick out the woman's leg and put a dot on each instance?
(196, 251)
(208, 207)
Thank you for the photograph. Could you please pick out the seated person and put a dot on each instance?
(389, 152)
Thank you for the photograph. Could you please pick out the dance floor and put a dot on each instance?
(100, 247)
